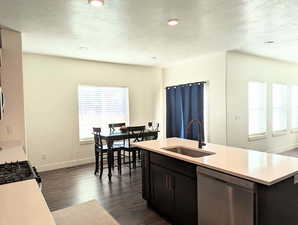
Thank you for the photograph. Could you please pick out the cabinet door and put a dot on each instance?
(145, 174)
(161, 194)
(185, 200)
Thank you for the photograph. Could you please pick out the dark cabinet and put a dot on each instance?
(172, 188)
(185, 200)
(162, 193)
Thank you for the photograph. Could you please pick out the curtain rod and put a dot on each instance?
(179, 85)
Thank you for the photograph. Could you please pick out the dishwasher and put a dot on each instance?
(224, 199)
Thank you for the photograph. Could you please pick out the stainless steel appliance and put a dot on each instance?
(224, 199)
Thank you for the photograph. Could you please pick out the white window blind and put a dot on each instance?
(294, 107)
(257, 108)
(279, 107)
(100, 106)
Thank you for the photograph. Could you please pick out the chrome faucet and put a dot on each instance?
(188, 131)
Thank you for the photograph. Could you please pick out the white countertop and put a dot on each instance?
(22, 203)
(260, 167)
(12, 151)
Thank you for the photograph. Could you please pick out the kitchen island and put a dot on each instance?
(220, 185)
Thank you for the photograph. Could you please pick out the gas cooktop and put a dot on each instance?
(17, 171)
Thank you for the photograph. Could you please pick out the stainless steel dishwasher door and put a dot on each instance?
(224, 199)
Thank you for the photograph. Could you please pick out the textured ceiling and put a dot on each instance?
(136, 31)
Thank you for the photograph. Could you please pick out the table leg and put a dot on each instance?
(119, 161)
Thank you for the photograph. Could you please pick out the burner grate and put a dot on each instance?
(16, 171)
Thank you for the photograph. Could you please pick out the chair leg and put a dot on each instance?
(96, 162)
(139, 154)
(134, 158)
(113, 166)
(119, 161)
(129, 159)
(101, 164)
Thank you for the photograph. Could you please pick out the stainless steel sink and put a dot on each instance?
(188, 151)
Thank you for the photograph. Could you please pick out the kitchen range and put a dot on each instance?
(218, 184)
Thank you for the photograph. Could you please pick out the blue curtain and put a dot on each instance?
(184, 103)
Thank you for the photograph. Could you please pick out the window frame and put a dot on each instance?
(86, 141)
(292, 129)
(262, 135)
(277, 133)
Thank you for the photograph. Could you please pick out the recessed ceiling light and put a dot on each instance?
(269, 42)
(173, 22)
(96, 3)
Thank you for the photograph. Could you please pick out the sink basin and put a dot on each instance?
(188, 151)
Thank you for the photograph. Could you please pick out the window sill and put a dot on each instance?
(86, 141)
(279, 133)
(257, 137)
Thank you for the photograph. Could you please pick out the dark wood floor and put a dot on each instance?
(122, 198)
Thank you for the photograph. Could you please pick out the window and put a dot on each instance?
(257, 110)
(294, 107)
(99, 106)
(279, 107)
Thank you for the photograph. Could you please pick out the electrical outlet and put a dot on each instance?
(9, 130)
(237, 117)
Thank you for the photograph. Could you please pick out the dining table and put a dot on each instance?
(111, 136)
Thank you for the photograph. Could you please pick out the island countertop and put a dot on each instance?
(260, 167)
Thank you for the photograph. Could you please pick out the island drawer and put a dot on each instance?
(179, 166)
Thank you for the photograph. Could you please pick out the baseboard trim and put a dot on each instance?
(65, 164)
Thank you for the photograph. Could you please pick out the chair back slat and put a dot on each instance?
(112, 126)
(97, 137)
(136, 132)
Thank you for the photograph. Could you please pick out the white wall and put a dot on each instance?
(210, 68)
(51, 104)
(12, 127)
(242, 68)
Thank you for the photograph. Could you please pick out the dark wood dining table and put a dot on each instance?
(110, 137)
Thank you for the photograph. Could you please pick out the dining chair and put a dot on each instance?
(113, 126)
(101, 150)
(135, 134)
(121, 143)
(151, 127)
